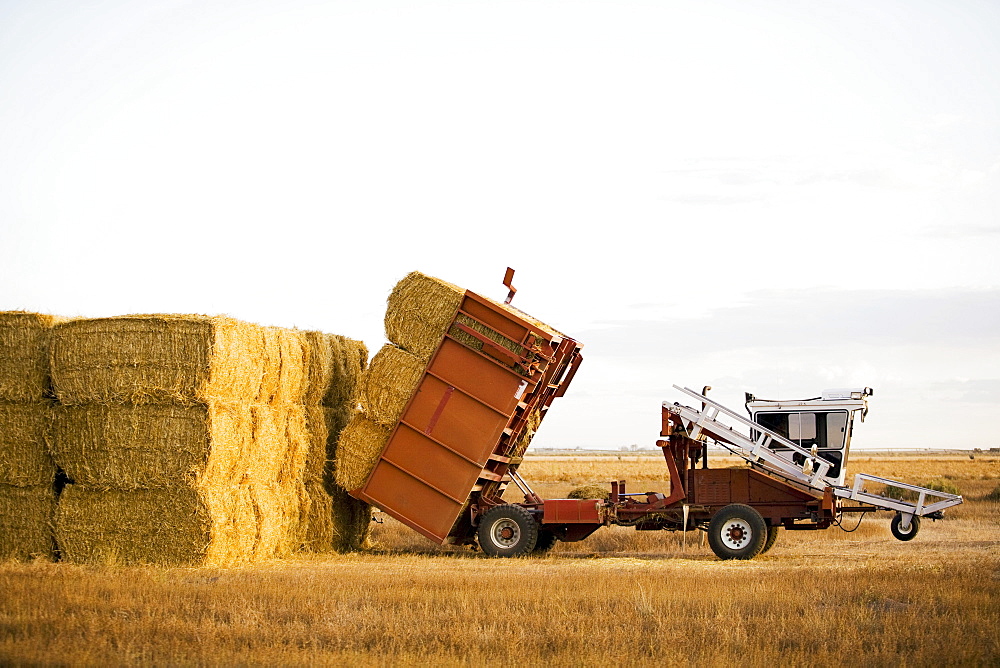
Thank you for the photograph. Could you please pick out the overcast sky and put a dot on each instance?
(775, 197)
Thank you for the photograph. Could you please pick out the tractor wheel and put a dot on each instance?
(911, 531)
(546, 541)
(507, 531)
(737, 532)
(772, 536)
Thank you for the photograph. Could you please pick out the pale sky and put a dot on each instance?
(774, 197)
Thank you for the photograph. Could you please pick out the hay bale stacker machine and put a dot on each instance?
(493, 378)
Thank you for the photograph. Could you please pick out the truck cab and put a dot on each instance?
(822, 424)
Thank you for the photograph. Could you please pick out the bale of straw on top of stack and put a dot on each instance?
(419, 310)
(24, 364)
(183, 359)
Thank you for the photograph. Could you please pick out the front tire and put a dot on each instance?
(737, 532)
(507, 531)
(910, 533)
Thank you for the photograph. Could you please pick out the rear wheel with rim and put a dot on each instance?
(737, 532)
(507, 531)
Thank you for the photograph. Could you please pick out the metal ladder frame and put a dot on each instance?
(758, 453)
(754, 451)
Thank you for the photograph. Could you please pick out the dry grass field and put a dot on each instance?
(619, 598)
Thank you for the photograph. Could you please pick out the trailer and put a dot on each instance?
(492, 380)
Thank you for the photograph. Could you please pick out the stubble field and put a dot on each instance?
(620, 597)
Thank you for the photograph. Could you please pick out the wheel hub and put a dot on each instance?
(735, 534)
(505, 532)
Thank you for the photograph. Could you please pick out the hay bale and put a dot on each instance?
(358, 448)
(318, 433)
(592, 491)
(169, 527)
(336, 420)
(418, 312)
(316, 517)
(349, 360)
(24, 454)
(319, 366)
(285, 373)
(351, 520)
(26, 522)
(181, 359)
(24, 364)
(152, 445)
(388, 384)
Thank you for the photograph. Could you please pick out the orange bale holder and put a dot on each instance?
(485, 390)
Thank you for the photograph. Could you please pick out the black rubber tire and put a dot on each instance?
(507, 531)
(737, 532)
(772, 536)
(546, 541)
(897, 519)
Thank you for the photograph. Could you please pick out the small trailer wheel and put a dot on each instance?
(772, 536)
(911, 531)
(737, 532)
(507, 531)
(546, 541)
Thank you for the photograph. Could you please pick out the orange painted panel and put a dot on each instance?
(452, 417)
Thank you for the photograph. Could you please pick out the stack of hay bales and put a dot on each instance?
(186, 439)
(27, 473)
(419, 311)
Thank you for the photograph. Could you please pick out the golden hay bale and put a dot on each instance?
(316, 518)
(158, 358)
(334, 366)
(418, 312)
(278, 512)
(26, 522)
(24, 455)
(280, 444)
(348, 361)
(389, 382)
(143, 526)
(590, 492)
(358, 448)
(285, 377)
(333, 522)
(152, 445)
(24, 364)
(351, 520)
(318, 433)
(319, 367)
